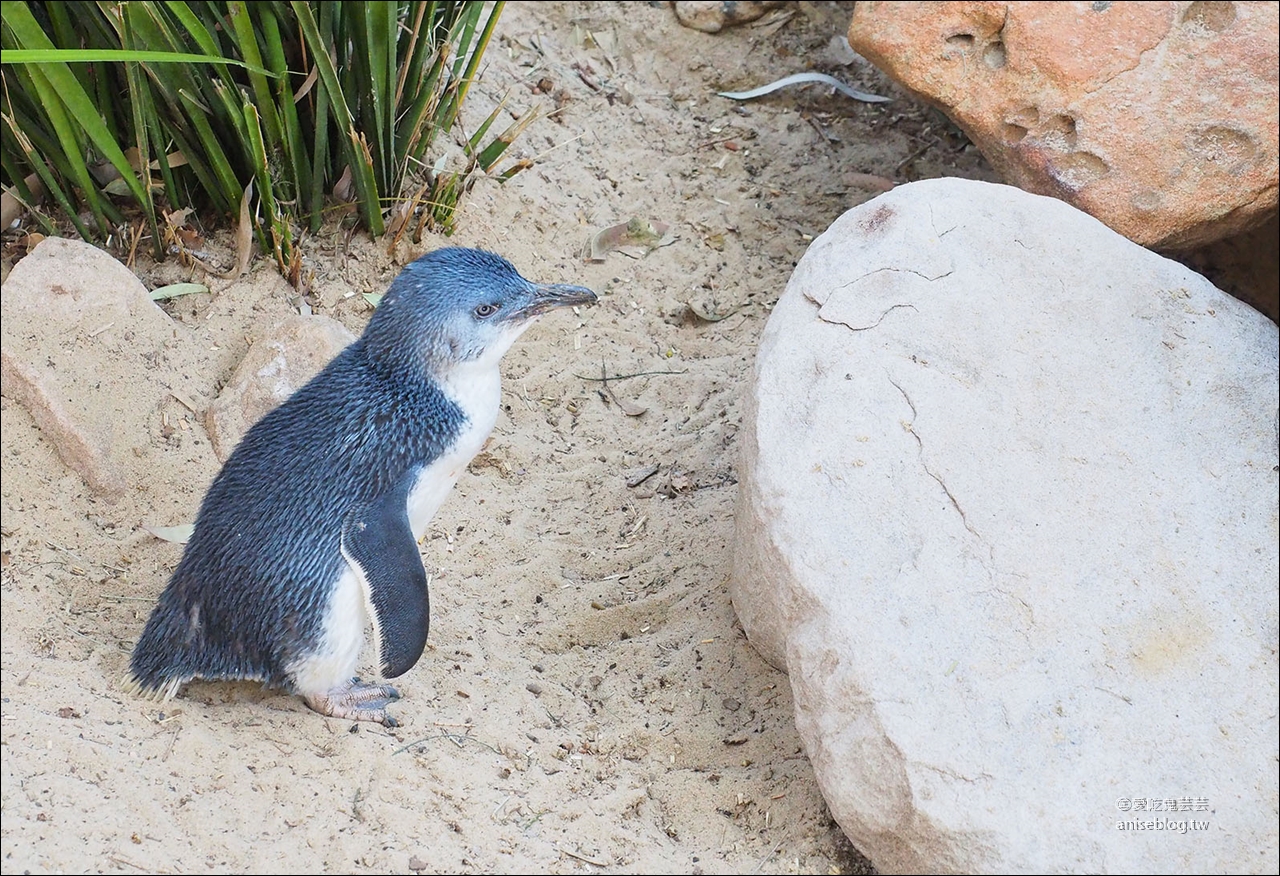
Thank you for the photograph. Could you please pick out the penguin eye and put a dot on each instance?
(484, 311)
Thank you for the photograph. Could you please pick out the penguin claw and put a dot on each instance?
(357, 702)
(362, 691)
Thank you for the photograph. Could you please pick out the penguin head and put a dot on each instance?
(454, 307)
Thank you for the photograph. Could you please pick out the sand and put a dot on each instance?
(587, 701)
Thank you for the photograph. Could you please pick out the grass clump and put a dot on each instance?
(118, 110)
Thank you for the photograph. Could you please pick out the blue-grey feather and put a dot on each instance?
(249, 595)
(266, 549)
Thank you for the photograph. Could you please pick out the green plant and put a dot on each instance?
(124, 105)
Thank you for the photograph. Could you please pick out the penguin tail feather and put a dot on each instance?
(156, 693)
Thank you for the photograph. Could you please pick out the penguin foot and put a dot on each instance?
(356, 702)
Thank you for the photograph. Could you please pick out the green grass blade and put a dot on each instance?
(211, 185)
(281, 237)
(478, 137)
(417, 126)
(477, 52)
(71, 159)
(226, 186)
(10, 163)
(242, 23)
(422, 11)
(193, 27)
(469, 17)
(190, 27)
(216, 79)
(320, 163)
(139, 102)
(85, 56)
(59, 87)
(494, 151)
(299, 169)
(357, 157)
(257, 146)
(137, 88)
(64, 34)
(379, 27)
(36, 162)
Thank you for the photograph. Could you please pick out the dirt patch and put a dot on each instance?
(587, 699)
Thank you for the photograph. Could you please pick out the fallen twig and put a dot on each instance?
(605, 378)
(592, 861)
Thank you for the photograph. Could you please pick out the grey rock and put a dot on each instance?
(1008, 518)
(78, 329)
(293, 352)
(713, 16)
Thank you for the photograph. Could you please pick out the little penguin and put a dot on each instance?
(310, 530)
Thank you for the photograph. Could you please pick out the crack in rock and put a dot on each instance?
(911, 427)
(897, 271)
(952, 774)
(864, 301)
(863, 328)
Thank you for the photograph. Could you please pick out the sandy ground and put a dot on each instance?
(587, 700)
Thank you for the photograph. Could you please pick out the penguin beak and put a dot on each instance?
(551, 296)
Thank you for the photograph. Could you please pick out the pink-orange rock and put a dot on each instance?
(1158, 118)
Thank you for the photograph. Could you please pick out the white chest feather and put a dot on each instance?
(474, 386)
(477, 390)
(350, 607)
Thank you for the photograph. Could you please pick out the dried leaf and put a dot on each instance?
(631, 409)
(117, 187)
(399, 217)
(838, 52)
(175, 159)
(191, 239)
(176, 534)
(803, 79)
(244, 234)
(175, 289)
(711, 309)
(869, 181)
(637, 476)
(642, 233)
(178, 218)
(769, 26)
(307, 84)
(11, 208)
(103, 171)
(344, 189)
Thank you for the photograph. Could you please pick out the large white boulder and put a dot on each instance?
(1008, 518)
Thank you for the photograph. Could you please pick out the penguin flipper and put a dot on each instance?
(378, 543)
